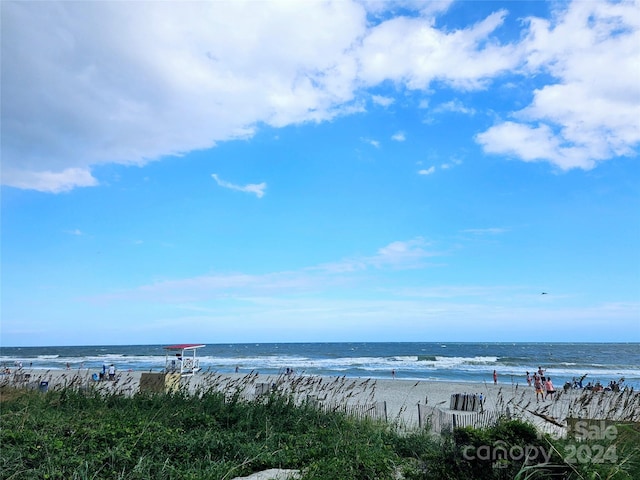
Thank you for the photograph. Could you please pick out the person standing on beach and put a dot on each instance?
(549, 387)
(393, 373)
(112, 372)
(495, 377)
(537, 384)
(528, 379)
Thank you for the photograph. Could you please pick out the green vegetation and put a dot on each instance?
(75, 434)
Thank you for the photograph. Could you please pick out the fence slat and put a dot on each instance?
(439, 420)
(374, 411)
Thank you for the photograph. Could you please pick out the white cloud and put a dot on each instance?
(534, 143)
(426, 8)
(399, 137)
(46, 180)
(452, 163)
(373, 143)
(455, 106)
(413, 51)
(256, 188)
(591, 112)
(382, 101)
(105, 82)
(87, 83)
(402, 254)
(398, 255)
(408, 254)
(444, 166)
(90, 83)
(76, 232)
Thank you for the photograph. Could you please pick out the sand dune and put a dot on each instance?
(399, 398)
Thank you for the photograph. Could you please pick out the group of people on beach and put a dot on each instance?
(110, 371)
(542, 384)
(614, 386)
(544, 387)
(17, 364)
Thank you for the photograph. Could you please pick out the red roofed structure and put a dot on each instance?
(184, 361)
(184, 346)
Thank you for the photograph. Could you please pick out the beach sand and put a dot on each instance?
(401, 397)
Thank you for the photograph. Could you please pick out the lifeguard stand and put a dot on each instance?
(181, 361)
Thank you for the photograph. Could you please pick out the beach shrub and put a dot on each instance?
(76, 434)
(493, 453)
(71, 434)
(414, 444)
(613, 457)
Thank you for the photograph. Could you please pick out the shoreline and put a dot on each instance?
(503, 382)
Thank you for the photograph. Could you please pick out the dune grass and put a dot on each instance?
(70, 434)
(217, 433)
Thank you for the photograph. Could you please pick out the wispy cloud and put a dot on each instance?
(450, 164)
(76, 232)
(443, 166)
(48, 181)
(256, 188)
(374, 143)
(382, 101)
(398, 255)
(407, 254)
(402, 254)
(455, 106)
(399, 137)
(464, 291)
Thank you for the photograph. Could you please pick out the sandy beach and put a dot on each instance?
(407, 404)
(402, 401)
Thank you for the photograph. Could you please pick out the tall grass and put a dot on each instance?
(593, 435)
(222, 428)
(212, 434)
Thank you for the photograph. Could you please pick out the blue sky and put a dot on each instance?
(320, 171)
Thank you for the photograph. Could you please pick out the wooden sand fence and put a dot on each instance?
(440, 420)
(360, 411)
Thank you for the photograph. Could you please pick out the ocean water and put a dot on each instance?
(463, 362)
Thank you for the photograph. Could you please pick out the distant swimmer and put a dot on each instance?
(544, 293)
